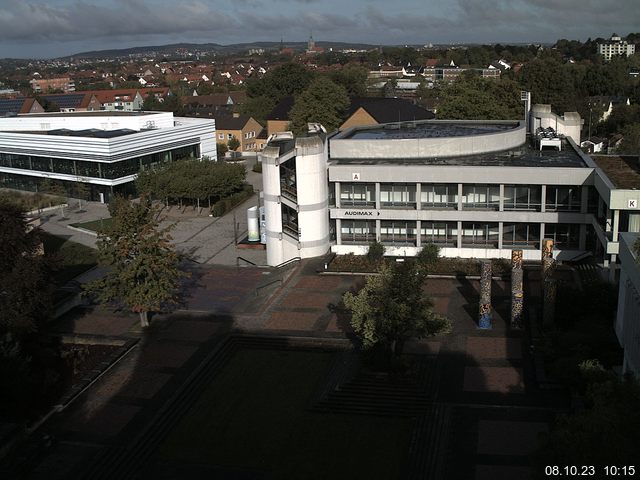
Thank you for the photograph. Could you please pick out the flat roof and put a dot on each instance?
(624, 172)
(429, 129)
(524, 156)
(101, 113)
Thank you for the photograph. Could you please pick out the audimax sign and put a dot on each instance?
(361, 213)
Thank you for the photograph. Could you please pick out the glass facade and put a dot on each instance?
(398, 232)
(439, 195)
(444, 234)
(357, 231)
(480, 235)
(358, 195)
(565, 235)
(522, 197)
(521, 235)
(89, 169)
(481, 197)
(563, 199)
(398, 195)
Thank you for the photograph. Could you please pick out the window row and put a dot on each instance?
(472, 234)
(83, 168)
(446, 196)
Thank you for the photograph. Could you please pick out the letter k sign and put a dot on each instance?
(632, 203)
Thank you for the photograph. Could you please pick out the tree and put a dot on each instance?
(375, 254)
(143, 272)
(25, 292)
(392, 308)
(322, 102)
(428, 256)
(233, 144)
(474, 98)
(221, 149)
(631, 140)
(607, 432)
(81, 191)
(353, 78)
(285, 80)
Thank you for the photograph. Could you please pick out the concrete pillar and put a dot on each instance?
(582, 237)
(584, 199)
(549, 302)
(548, 262)
(377, 230)
(501, 202)
(459, 196)
(616, 225)
(517, 289)
(377, 195)
(543, 198)
(337, 187)
(459, 240)
(418, 196)
(484, 313)
(338, 231)
(418, 235)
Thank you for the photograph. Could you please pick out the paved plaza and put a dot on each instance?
(485, 399)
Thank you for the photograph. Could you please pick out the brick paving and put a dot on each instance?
(493, 379)
(485, 366)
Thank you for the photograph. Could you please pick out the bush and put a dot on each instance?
(376, 252)
(428, 256)
(257, 167)
(226, 204)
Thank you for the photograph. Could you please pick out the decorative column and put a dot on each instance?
(484, 321)
(548, 283)
(517, 289)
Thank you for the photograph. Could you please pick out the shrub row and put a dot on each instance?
(229, 203)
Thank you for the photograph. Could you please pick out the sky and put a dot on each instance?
(52, 28)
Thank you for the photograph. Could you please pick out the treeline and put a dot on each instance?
(192, 182)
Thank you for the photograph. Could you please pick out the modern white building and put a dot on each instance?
(628, 316)
(105, 150)
(475, 188)
(615, 46)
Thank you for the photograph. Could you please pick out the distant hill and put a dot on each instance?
(212, 47)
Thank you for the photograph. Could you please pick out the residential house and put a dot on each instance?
(44, 85)
(375, 111)
(14, 106)
(212, 105)
(607, 104)
(615, 46)
(241, 127)
(73, 102)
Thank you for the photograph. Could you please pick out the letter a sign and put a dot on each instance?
(355, 177)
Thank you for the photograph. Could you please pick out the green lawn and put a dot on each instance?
(94, 225)
(255, 416)
(70, 259)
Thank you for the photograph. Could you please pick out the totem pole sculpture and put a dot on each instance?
(517, 289)
(484, 321)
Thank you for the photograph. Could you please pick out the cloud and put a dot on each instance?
(26, 21)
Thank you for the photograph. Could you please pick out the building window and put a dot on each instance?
(357, 195)
(443, 234)
(397, 195)
(522, 235)
(438, 195)
(481, 197)
(480, 235)
(357, 231)
(564, 235)
(522, 197)
(563, 199)
(398, 232)
(290, 221)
